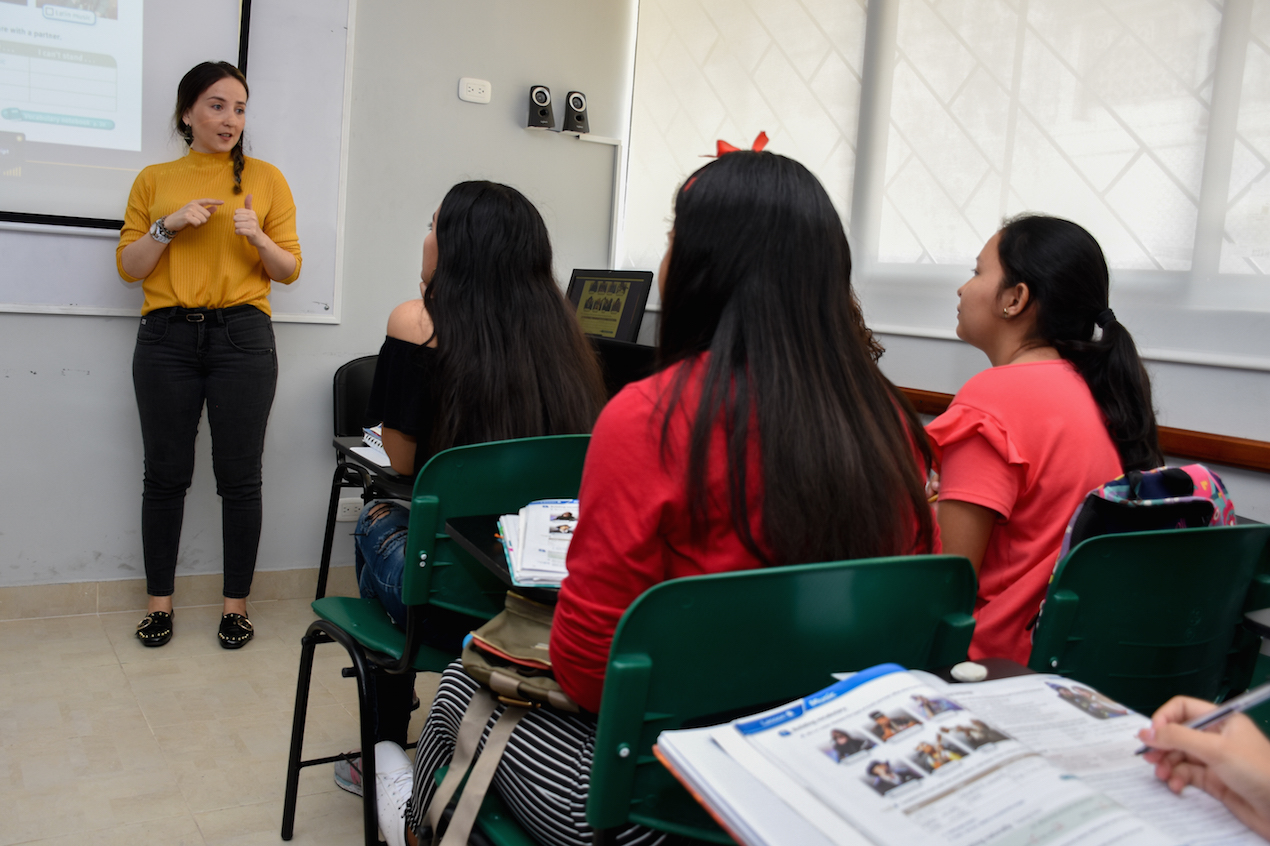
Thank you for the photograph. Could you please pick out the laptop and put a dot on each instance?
(610, 303)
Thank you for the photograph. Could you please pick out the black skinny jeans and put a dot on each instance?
(183, 357)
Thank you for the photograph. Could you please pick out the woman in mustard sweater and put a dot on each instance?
(207, 233)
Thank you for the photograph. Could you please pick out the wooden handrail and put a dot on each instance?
(1243, 453)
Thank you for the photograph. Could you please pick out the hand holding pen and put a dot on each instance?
(1231, 762)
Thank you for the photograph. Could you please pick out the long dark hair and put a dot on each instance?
(197, 80)
(759, 277)
(1066, 276)
(512, 361)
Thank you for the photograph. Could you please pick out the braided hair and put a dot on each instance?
(199, 78)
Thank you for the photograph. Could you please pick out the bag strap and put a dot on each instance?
(482, 775)
(478, 713)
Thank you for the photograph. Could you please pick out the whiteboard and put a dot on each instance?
(298, 65)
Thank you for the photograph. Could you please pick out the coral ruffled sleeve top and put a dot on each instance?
(209, 266)
(1029, 442)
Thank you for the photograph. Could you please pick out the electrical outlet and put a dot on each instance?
(349, 510)
(475, 90)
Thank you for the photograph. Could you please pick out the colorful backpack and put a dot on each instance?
(1140, 501)
(1146, 500)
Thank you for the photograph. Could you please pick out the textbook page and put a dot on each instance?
(1084, 733)
(509, 536)
(905, 763)
(370, 453)
(546, 527)
(743, 803)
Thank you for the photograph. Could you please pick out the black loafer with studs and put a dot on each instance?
(155, 628)
(235, 631)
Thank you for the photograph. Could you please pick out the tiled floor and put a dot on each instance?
(104, 741)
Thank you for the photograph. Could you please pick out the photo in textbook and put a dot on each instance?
(888, 725)
(885, 776)
(1093, 704)
(929, 706)
(931, 755)
(845, 745)
(976, 734)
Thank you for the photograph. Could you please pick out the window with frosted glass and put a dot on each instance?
(719, 69)
(1146, 121)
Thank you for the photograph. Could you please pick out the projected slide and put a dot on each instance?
(78, 117)
(70, 72)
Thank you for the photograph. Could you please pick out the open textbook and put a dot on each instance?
(536, 541)
(893, 757)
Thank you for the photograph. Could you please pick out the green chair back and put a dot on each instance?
(499, 477)
(700, 650)
(1144, 616)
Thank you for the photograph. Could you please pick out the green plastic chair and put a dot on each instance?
(702, 650)
(491, 478)
(1144, 616)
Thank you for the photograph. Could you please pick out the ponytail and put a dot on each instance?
(1066, 275)
(1111, 367)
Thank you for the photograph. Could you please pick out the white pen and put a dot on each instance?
(1242, 702)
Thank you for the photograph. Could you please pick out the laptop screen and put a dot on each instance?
(610, 303)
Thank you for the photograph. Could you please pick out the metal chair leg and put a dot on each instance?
(370, 810)
(307, 645)
(346, 476)
(321, 631)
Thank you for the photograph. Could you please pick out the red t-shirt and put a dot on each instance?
(1029, 442)
(634, 531)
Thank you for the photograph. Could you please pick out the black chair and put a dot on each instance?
(351, 391)
(479, 479)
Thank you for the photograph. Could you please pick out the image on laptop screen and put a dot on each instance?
(610, 303)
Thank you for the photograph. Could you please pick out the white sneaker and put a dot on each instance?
(394, 780)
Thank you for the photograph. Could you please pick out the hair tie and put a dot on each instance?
(1104, 317)
(722, 147)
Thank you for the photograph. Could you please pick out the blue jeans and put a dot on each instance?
(185, 357)
(379, 552)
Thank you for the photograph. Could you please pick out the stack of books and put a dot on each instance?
(536, 541)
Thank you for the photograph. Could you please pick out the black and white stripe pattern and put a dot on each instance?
(544, 775)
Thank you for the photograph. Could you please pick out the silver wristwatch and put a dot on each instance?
(161, 233)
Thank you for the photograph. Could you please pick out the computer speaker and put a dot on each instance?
(540, 113)
(575, 113)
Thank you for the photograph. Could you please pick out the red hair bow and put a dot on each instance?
(723, 147)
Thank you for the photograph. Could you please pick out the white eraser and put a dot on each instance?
(969, 671)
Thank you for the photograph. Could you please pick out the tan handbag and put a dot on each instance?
(509, 656)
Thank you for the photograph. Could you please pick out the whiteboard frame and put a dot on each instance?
(337, 292)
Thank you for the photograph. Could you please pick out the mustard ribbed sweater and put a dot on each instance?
(209, 266)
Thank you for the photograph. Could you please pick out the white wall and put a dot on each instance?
(70, 510)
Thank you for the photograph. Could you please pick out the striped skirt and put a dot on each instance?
(544, 775)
